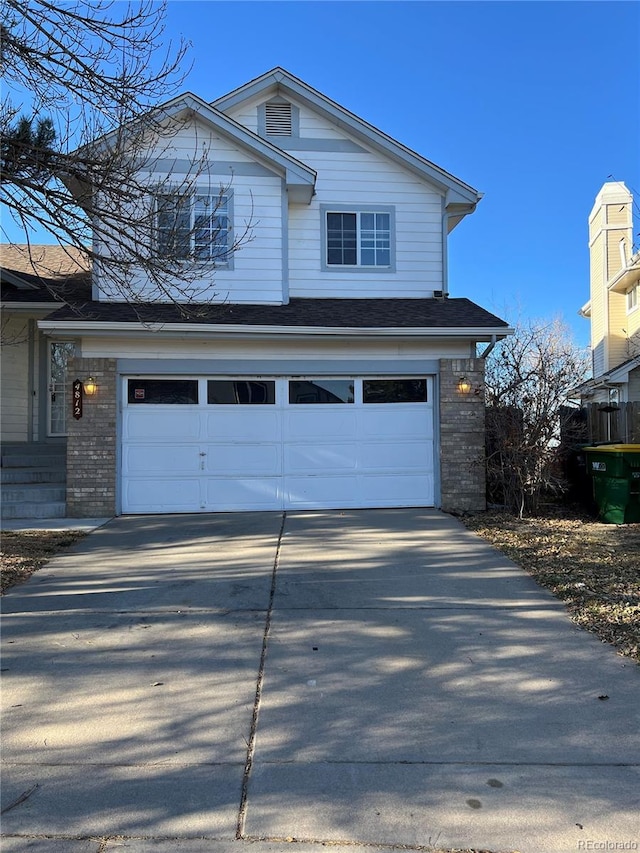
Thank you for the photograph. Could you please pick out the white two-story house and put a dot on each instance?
(328, 367)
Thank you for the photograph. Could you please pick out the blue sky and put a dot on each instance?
(536, 104)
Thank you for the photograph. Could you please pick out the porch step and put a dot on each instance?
(34, 492)
(32, 475)
(33, 456)
(49, 509)
(33, 481)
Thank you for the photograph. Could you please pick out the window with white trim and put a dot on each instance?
(358, 237)
(193, 227)
(632, 298)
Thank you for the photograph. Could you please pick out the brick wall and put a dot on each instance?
(462, 468)
(91, 443)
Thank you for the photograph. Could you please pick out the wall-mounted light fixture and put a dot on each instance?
(90, 386)
(464, 386)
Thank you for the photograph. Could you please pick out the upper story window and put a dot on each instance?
(193, 227)
(360, 238)
(632, 297)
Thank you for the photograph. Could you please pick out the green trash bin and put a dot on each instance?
(615, 471)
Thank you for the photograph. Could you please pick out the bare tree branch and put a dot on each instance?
(528, 379)
(95, 71)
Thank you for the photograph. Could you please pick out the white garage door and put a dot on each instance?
(215, 444)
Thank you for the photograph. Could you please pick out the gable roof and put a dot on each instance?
(460, 197)
(300, 179)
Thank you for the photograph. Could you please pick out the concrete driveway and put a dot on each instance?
(380, 677)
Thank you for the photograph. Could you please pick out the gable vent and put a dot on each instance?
(278, 120)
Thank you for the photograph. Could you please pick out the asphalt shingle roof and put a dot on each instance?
(61, 276)
(319, 313)
(53, 273)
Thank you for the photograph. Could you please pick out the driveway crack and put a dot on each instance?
(258, 697)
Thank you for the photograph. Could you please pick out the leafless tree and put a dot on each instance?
(528, 379)
(82, 134)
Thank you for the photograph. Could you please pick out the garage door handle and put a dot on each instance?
(203, 453)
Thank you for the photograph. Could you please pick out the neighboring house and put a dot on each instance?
(613, 309)
(327, 370)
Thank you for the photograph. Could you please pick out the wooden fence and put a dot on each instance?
(598, 422)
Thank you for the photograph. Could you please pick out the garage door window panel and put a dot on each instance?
(394, 391)
(163, 392)
(321, 391)
(242, 392)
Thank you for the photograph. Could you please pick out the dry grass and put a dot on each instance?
(24, 552)
(594, 568)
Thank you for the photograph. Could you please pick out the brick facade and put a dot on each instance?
(91, 444)
(462, 436)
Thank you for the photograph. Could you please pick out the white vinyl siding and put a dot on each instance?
(282, 255)
(341, 351)
(366, 181)
(258, 268)
(359, 179)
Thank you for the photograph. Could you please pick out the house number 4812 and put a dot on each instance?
(77, 399)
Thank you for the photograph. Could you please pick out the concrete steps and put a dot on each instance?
(33, 481)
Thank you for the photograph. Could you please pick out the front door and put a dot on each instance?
(58, 409)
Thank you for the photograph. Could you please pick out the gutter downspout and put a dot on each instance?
(489, 349)
(445, 256)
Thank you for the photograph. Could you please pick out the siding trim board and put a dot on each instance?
(277, 367)
(333, 146)
(224, 168)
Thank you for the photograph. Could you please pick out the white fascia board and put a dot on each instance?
(358, 127)
(106, 329)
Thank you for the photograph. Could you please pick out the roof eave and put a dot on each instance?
(626, 277)
(42, 308)
(106, 328)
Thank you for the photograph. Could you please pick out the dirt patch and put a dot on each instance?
(24, 552)
(593, 568)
